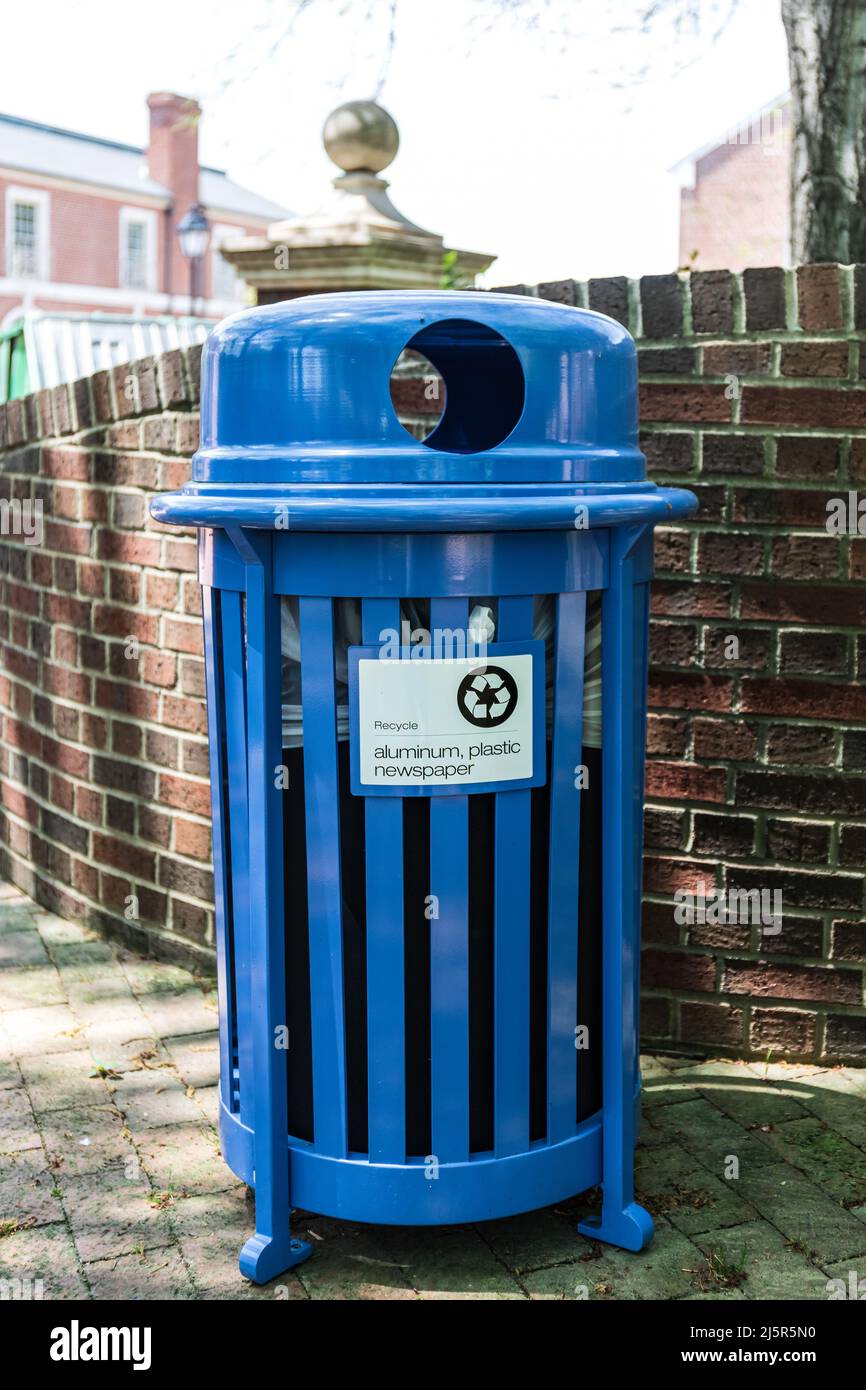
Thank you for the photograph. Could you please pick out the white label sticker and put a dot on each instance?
(439, 723)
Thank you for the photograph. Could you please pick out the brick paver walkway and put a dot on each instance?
(112, 1185)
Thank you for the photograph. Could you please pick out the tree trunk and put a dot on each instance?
(827, 59)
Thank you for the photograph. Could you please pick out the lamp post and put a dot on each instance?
(193, 233)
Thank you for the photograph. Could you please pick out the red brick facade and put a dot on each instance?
(80, 263)
(754, 395)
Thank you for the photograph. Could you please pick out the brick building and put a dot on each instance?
(89, 224)
(734, 199)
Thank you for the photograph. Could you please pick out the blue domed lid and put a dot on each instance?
(299, 392)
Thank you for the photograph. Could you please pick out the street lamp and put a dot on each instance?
(193, 233)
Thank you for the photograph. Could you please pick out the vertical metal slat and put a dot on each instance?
(564, 868)
(324, 888)
(231, 624)
(386, 1004)
(222, 905)
(511, 934)
(449, 948)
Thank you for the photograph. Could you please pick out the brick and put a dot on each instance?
(103, 404)
(825, 359)
(192, 839)
(668, 453)
(184, 795)
(185, 878)
(689, 599)
(694, 402)
(773, 980)
(559, 291)
(128, 548)
(848, 941)
(672, 550)
(697, 692)
(784, 1032)
(717, 738)
(120, 815)
(120, 854)
(827, 605)
(173, 389)
(194, 758)
(803, 699)
(684, 782)
(666, 735)
(724, 835)
(666, 874)
(811, 795)
(124, 586)
(680, 361)
(739, 649)
(819, 300)
(860, 297)
(735, 552)
(852, 845)
(818, 653)
(821, 407)
(733, 454)
(801, 888)
(854, 750)
(191, 921)
(655, 1017)
(800, 936)
(764, 291)
(678, 970)
(661, 298)
(82, 404)
(712, 301)
(845, 1036)
(610, 296)
(798, 841)
(712, 1023)
(159, 668)
(736, 359)
(806, 557)
(673, 644)
(161, 591)
(808, 457)
(181, 636)
(663, 828)
(187, 434)
(125, 470)
(801, 743)
(129, 510)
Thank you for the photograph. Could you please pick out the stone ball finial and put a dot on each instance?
(360, 135)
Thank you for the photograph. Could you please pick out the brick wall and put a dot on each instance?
(751, 395)
(103, 757)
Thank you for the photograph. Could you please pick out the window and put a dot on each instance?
(137, 249)
(226, 284)
(27, 233)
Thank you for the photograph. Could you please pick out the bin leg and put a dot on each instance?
(623, 1221)
(271, 1250)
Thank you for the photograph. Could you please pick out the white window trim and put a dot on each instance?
(225, 231)
(147, 217)
(21, 193)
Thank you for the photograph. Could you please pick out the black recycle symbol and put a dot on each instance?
(487, 696)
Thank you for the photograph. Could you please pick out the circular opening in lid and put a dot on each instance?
(484, 386)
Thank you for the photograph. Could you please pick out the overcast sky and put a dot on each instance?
(529, 142)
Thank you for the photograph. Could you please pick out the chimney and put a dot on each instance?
(172, 160)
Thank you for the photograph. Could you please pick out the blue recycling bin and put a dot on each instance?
(426, 685)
